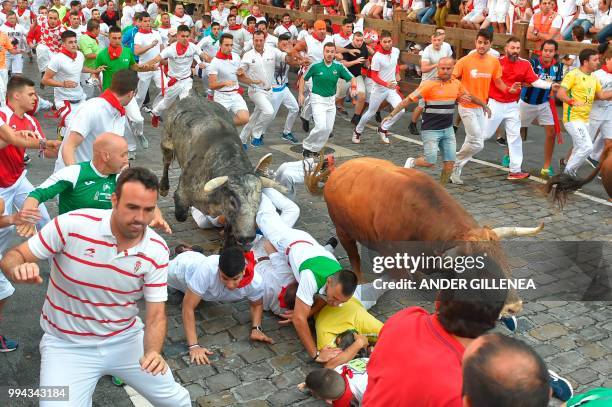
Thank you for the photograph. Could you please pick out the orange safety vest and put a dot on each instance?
(543, 23)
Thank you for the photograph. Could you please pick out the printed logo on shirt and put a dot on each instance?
(89, 252)
(137, 266)
(89, 182)
(475, 74)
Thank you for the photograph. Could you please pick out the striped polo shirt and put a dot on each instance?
(440, 101)
(93, 289)
(551, 73)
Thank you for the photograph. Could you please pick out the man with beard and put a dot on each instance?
(504, 105)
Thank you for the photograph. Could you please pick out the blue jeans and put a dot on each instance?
(443, 139)
(586, 24)
(427, 14)
(604, 34)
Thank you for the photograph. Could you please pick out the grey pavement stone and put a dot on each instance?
(193, 373)
(195, 391)
(256, 354)
(254, 372)
(222, 381)
(259, 389)
(222, 399)
(284, 363)
(287, 397)
(549, 331)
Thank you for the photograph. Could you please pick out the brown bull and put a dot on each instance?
(562, 185)
(374, 201)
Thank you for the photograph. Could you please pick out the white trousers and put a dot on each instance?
(605, 133)
(135, 126)
(379, 95)
(261, 117)
(3, 83)
(80, 367)
(14, 63)
(43, 56)
(144, 80)
(508, 113)
(306, 112)
(179, 90)
(66, 112)
(291, 173)
(324, 114)
(14, 197)
(582, 146)
(473, 122)
(204, 221)
(285, 97)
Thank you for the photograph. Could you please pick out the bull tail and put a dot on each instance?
(560, 186)
(315, 174)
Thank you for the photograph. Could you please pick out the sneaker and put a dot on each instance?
(413, 129)
(117, 381)
(409, 163)
(7, 345)
(257, 142)
(383, 135)
(262, 165)
(510, 322)
(309, 154)
(356, 137)
(594, 163)
(26, 159)
(518, 175)
(378, 117)
(547, 172)
(332, 241)
(505, 162)
(561, 387)
(289, 137)
(501, 141)
(455, 178)
(305, 125)
(147, 109)
(144, 141)
(155, 121)
(131, 155)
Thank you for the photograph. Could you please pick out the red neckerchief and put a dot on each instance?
(110, 14)
(221, 55)
(347, 396)
(553, 62)
(181, 49)
(251, 29)
(234, 27)
(289, 24)
(71, 55)
(281, 298)
(10, 25)
(317, 38)
(20, 11)
(114, 52)
(113, 101)
(249, 270)
(167, 27)
(143, 31)
(257, 15)
(605, 68)
(346, 37)
(91, 35)
(380, 49)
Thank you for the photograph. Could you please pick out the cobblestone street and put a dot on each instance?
(574, 338)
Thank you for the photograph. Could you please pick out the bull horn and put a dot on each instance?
(517, 231)
(268, 183)
(214, 184)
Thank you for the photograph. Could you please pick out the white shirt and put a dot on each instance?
(25, 19)
(417, 5)
(302, 35)
(261, 66)
(139, 8)
(602, 109)
(92, 118)
(86, 270)
(240, 37)
(175, 21)
(276, 275)
(583, 14)
(432, 56)
(225, 70)
(270, 41)
(127, 16)
(18, 33)
(87, 13)
(163, 32)
(358, 381)
(602, 18)
(153, 11)
(281, 29)
(385, 65)
(315, 47)
(220, 17)
(209, 45)
(202, 277)
(257, 19)
(342, 42)
(179, 66)
(67, 69)
(566, 8)
(103, 39)
(78, 31)
(145, 40)
(480, 5)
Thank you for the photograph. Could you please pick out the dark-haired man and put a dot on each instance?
(228, 277)
(79, 244)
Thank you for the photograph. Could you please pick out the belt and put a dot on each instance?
(227, 91)
(279, 89)
(293, 244)
(260, 259)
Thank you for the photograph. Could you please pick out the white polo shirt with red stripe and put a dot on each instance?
(93, 289)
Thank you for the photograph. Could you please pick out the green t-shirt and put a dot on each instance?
(325, 78)
(78, 186)
(598, 397)
(321, 267)
(125, 61)
(89, 45)
(61, 10)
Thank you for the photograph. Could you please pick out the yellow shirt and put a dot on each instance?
(332, 321)
(582, 88)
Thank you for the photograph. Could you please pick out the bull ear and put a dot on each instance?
(268, 183)
(214, 184)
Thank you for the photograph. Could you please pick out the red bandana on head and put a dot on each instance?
(181, 48)
(221, 55)
(113, 101)
(71, 55)
(249, 270)
(114, 52)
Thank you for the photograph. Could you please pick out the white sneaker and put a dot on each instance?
(455, 177)
(356, 137)
(383, 136)
(409, 163)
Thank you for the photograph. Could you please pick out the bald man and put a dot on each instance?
(89, 184)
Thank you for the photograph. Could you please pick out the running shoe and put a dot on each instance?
(257, 142)
(561, 387)
(409, 163)
(356, 137)
(263, 165)
(26, 159)
(505, 162)
(310, 154)
(455, 177)
(289, 137)
(547, 172)
(510, 322)
(117, 381)
(144, 141)
(501, 141)
(594, 163)
(305, 125)
(383, 135)
(7, 345)
(413, 129)
(332, 241)
(518, 175)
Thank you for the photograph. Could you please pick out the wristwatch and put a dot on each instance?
(316, 356)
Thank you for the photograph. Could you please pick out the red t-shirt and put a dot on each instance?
(11, 157)
(519, 71)
(415, 363)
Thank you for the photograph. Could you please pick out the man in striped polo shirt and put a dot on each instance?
(440, 97)
(103, 261)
